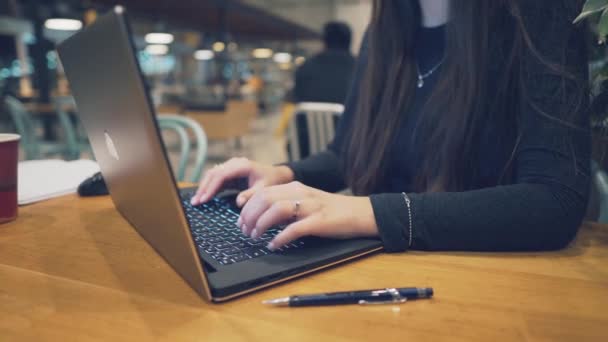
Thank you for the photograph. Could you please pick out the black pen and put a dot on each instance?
(380, 296)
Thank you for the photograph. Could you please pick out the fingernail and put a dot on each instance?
(244, 228)
(270, 246)
(239, 201)
(193, 201)
(239, 222)
(254, 233)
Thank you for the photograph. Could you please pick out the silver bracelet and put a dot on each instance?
(408, 203)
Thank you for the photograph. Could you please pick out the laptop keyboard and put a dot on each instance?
(215, 233)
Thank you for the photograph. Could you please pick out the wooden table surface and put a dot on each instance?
(37, 108)
(73, 270)
(42, 109)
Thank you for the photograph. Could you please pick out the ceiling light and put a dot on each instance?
(157, 50)
(63, 24)
(203, 55)
(282, 57)
(300, 60)
(262, 53)
(219, 46)
(159, 38)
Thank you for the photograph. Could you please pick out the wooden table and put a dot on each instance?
(37, 108)
(73, 270)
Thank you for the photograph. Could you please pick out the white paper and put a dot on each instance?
(44, 179)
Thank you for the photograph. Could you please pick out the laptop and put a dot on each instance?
(201, 243)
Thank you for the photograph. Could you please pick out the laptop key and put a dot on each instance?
(214, 240)
(211, 249)
(229, 224)
(223, 245)
(254, 252)
(233, 239)
(215, 254)
(266, 250)
(231, 251)
(253, 243)
(225, 261)
(239, 257)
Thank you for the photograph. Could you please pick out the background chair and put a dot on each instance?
(76, 142)
(26, 126)
(599, 193)
(186, 128)
(312, 128)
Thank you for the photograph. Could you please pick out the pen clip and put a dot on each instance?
(396, 298)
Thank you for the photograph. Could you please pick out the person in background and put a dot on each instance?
(468, 129)
(326, 77)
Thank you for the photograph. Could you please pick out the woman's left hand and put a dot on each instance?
(309, 212)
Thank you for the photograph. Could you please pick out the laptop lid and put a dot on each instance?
(117, 114)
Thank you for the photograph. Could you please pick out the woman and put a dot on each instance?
(466, 129)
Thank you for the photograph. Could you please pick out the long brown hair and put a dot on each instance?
(459, 105)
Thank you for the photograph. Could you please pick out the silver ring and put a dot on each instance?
(296, 209)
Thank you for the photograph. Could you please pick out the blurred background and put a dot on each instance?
(264, 79)
(238, 69)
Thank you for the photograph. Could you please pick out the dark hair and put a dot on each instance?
(337, 35)
(450, 141)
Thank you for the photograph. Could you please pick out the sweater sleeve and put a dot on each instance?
(324, 170)
(545, 204)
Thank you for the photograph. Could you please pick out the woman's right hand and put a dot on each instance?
(258, 176)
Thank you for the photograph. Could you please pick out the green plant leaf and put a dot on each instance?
(591, 7)
(603, 26)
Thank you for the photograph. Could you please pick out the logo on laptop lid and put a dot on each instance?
(111, 147)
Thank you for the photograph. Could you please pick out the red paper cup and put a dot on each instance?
(9, 154)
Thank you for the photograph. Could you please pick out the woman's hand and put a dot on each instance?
(258, 176)
(310, 211)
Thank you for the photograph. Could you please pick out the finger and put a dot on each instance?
(229, 171)
(202, 186)
(279, 212)
(264, 198)
(241, 200)
(229, 164)
(245, 195)
(254, 207)
(288, 191)
(293, 232)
